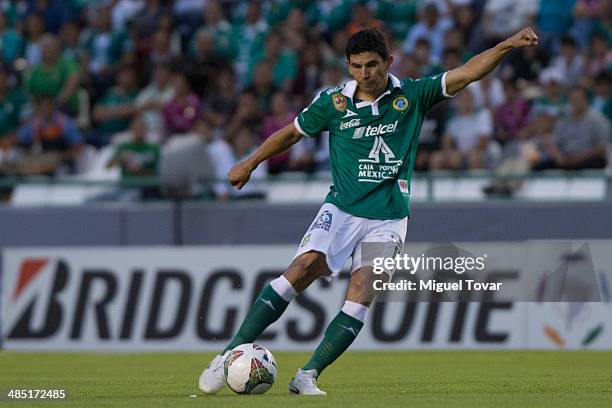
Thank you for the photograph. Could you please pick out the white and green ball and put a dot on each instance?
(250, 369)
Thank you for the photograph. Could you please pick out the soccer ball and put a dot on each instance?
(250, 369)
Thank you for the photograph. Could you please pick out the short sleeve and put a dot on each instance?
(431, 90)
(313, 119)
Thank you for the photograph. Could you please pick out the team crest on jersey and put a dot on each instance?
(400, 103)
(323, 221)
(339, 102)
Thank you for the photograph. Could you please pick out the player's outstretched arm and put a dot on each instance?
(485, 62)
(277, 143)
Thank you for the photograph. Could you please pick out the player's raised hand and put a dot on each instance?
(240, 174)
(524, 38)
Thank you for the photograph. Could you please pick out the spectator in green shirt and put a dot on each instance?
(11, 101)
(55, 76)
(282, 60)
(398, 15)
(332, 15)
(136, 157)
(249, 37)
(215, 24)
(554, 99)
(114, 110)
(103, 50)
(11, 42)
(102, 46)
(263, 86)
(602, 98)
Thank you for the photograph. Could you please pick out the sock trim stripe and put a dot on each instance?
(355, 310)
(283, 288)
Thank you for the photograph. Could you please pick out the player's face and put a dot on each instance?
(370, 71)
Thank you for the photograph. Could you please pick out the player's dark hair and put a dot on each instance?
(368, 40)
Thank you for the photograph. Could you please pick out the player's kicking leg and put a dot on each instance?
(340, 332)
(268, 307)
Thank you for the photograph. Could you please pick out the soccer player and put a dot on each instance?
(374, 122)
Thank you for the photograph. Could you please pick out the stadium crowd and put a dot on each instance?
(183, 89)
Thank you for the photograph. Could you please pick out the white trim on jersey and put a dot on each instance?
(351, 86)
(395, 82)
(444, 92)
(299, 128)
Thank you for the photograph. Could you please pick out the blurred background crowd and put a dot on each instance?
(181, 90)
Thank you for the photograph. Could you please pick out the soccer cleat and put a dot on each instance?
(304, 383)
(212, 378)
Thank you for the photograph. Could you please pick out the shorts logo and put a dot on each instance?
(324, 221)
(339, 102)
(305, 240)
(400, 103)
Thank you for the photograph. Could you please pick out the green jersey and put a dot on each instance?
(10, 112)
(49, 81)
(145, 156)
(372, 145)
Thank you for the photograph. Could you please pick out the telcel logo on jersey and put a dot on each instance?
(350, 124)
(375, 130)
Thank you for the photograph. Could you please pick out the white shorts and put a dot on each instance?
(340, 236)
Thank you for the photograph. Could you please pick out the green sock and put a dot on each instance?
(337, 338)
(268, 307)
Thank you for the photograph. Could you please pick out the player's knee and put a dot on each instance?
(306, 265)
(361, 285)
(306, 268)
(361, 292)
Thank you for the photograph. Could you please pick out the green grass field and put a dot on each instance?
(358, 379)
